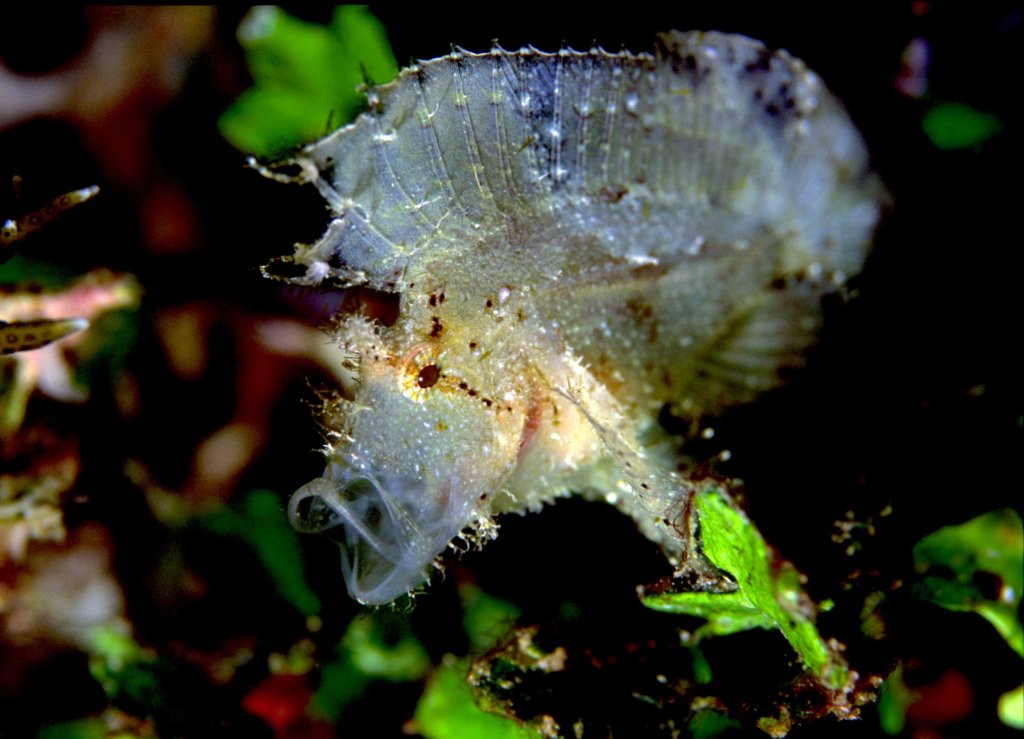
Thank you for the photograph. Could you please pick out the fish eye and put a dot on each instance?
(428, 376)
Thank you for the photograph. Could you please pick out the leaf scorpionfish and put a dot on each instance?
(576, 240)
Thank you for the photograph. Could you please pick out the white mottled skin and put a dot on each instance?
(577, 239)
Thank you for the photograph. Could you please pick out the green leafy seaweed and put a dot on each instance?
(21, 270)
(484, 617)
(263, 525)
(378, 646)
(977, 566)
(305, 76)
(893, 702)
(134, 676)
(1011, 708)
(958, 126)
(711, 724)
(769, 595)
(85, 728)
(447, 710)
(111, 339)
(383, 647)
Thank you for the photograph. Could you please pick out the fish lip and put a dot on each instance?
(390, 528)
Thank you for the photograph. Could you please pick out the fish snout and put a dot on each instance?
(390, 529)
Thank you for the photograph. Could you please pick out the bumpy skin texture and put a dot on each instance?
(577, 239)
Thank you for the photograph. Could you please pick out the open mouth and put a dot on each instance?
(389, 530)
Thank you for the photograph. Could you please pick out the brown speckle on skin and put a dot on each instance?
(436, 327)
(610, 195)
(640, 308)
(760, 64)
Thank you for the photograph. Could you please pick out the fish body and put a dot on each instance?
(577, 240)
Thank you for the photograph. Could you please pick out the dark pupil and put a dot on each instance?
(428, 376)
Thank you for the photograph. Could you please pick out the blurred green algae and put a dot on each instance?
(306, 77)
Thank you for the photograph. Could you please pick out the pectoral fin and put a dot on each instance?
(762, 343)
